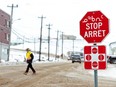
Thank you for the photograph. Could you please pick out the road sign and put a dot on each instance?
(94, 26)
(95, 57)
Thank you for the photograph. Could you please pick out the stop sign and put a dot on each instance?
(94, 26)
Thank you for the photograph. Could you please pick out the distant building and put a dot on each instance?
(68, 37)
(4, 34)
(112, 47)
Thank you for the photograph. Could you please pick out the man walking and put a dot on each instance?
(29, 59)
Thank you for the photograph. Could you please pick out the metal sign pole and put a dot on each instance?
(95, 78)
(95, 74)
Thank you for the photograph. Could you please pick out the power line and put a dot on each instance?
(25, 39)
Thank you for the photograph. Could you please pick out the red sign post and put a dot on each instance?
(94, 26)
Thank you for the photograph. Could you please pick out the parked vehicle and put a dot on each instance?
(76, 58)
(111, 59)
(70, 53)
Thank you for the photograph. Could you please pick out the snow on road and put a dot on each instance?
(110, 71)
(18, 56)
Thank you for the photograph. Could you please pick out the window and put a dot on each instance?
(4, 51)
(7, 36)
(7, 23)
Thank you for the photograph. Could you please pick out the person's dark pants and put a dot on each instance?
(30, 66)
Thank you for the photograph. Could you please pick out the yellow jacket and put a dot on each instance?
(28, 57)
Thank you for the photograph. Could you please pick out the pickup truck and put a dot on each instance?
(111, 59)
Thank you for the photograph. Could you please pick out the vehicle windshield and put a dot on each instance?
(76, 55)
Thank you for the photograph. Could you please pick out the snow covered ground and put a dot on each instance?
(109, 72)
(18, 56)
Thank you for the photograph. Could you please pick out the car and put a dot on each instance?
(69, 58)
(76, 58)
(111, 59)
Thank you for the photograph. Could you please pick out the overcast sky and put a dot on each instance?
(64, 15)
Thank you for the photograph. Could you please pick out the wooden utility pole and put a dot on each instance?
(56, 45)
(11, 19)
(40, 45)
(62, 46)
(49, 40)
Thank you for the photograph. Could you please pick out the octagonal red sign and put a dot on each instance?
(94, 26)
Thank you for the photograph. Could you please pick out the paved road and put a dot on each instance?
(50, 75)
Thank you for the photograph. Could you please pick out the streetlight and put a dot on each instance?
(13, 22)
(16, 20)
(10, 37)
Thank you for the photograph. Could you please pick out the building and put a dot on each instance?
(4, 34)
(112, 47)
(68, 37)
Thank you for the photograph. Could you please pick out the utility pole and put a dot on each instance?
(34, 44)
(23, 41)
(73, 45)
(62, 46)
(40, 37)
(48, 40)
(11, 19)
(56, 45)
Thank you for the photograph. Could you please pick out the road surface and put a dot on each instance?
(59, 74)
